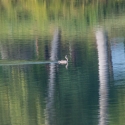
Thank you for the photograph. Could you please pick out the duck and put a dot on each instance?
(63, 61)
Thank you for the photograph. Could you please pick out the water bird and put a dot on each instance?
(63, 61)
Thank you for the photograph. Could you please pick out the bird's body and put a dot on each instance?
(63, 61)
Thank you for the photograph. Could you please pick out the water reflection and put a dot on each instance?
(71, 97)
(50, 111)
(21, 50)
(103, 75)
(118, 59)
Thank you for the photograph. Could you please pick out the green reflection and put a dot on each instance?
(20, 99)
(40, 17)
(28, 26)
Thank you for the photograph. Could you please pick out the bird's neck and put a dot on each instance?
(66, 59)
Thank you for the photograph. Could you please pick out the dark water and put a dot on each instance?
(35, 89)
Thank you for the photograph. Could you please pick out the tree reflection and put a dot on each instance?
(50, 111)
(101, 40)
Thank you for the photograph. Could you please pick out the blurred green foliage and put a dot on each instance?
(40, 17)
(28, 21)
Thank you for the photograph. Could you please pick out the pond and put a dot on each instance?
(35, 89)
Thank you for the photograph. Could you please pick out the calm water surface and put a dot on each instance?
(35, 89)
